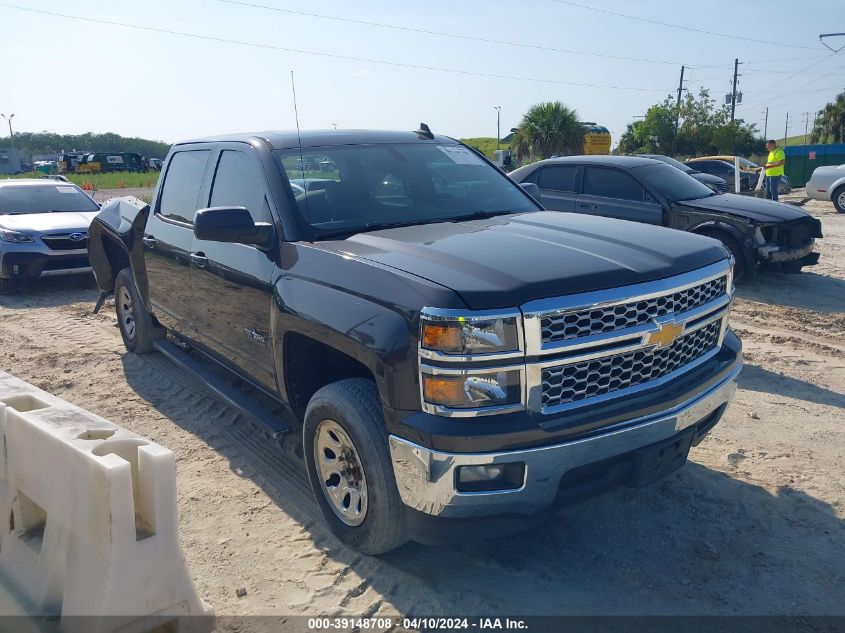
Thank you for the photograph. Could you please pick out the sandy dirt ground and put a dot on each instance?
(753, 524)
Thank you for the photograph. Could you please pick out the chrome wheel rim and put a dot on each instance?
(126, 313)
(842, 200)
(341, 474)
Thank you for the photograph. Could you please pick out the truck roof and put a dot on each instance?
(287, 139)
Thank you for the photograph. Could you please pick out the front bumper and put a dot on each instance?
(427, 479)
(29, 260)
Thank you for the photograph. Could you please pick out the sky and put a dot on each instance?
(72, 76)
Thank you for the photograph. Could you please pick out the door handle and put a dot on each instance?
(584, 205)
(199, 260)
(150, 242)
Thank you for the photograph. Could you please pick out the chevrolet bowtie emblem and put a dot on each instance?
(665, 335)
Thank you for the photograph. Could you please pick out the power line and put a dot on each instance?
(460, 36)
(681, 27)
(300, 51)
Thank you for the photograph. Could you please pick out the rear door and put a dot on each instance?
(615, 193)
(168, 237)
(232, 282)
(557, 186)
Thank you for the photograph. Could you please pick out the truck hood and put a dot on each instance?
(757, 209)
(508, 260)
(48, 222)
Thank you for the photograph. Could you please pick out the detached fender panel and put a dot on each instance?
(116, 241)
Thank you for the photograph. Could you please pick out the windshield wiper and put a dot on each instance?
(477, 215)
(371, 226)
(378, 226)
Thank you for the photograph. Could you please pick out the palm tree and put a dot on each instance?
(549, 129)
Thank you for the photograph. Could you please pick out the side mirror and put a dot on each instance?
(531, 189)
(231, 224)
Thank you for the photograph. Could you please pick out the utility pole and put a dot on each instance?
(786, 129)
(733, 90)
(498, 126)
(806, 125)
(11, 133)
(766, 124)
(678, 105)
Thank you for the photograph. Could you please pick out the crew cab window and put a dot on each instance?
(239, 182)
(611, 183)
(558, 177)
(181, 189)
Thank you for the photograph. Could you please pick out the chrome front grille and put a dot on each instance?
(578, 323)
(572, 382)
(594, 346)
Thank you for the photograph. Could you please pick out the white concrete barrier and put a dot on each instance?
(88, 519)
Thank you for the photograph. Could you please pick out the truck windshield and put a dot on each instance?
(353, 188)
(23, 199)
(671, 183)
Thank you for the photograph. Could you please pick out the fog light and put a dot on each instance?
(468, 474)
(490, 477)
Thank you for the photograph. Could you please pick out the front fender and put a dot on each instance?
(376, 335)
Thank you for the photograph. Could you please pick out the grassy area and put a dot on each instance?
(486, 145)
(107, 180)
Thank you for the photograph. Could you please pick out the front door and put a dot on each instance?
(167, 241)
(232, 289)
(614, 193)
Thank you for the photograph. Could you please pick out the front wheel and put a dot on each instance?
(348, 462)
(838, 199)
(740, 268)
(136, 325)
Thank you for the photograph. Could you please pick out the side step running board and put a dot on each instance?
(246, 405)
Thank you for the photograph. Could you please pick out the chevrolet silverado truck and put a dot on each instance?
(456, 359)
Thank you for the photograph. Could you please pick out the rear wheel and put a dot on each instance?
(838, 198)
(136, 325)
(348, 462)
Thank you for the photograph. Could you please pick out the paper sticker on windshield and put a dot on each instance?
(460, 155)
(66, 189)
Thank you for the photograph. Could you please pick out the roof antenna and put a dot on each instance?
(424, 131)
(298, 136)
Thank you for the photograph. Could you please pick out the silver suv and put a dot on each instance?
(43, 230)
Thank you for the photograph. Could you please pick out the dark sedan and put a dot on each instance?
(724, 169)
(717, 184)
(756, 231)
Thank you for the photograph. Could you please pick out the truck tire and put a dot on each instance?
(136, 325)
(345, 446)
(838, 198)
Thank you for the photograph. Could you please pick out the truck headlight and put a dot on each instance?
(450, 332)
(473, 390)
(14, 236)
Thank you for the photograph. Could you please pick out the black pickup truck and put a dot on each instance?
(457, 359)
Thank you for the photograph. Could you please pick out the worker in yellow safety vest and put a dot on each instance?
(774, 168)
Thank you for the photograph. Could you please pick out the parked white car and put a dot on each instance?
(828, 183)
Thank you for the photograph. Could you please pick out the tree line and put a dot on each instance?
(696, 127)
(35, 143)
